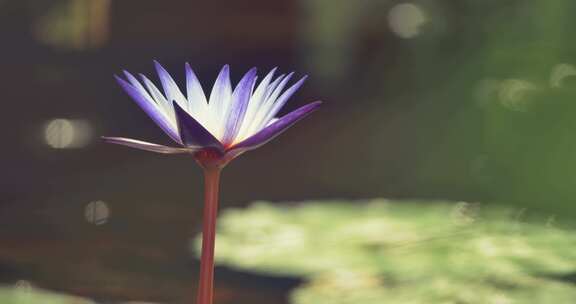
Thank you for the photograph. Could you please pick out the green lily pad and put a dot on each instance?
(382, 251)
(29, 295)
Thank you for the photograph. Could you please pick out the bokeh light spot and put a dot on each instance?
(97, 212)
(67, 134)
(406, 20)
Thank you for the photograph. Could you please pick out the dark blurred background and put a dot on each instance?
(464, 100)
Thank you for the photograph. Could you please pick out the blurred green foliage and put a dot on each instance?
(479, 104)
(381, 251)
(29, 295)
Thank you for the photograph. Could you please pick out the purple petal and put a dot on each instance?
(142, 145)
(273, 85)
(156, 94)
(192, 133)
(171, 89)
(259, 94)
(255, 102)
(239, 101)
(221, 91)
(260, 120)
(278, 89)
(275, 129)
(281, 101)
(150, 108)
(136, 84)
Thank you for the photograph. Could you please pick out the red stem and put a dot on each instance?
(206, 284)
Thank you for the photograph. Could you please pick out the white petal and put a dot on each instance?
(197, 102)
(160, 99)
(171, 89)
(260, 118)
(281, 101)
(220, 101)
(138, 86)
(255, 102)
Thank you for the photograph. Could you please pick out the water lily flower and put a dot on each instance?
(224, 125)
(214, 130)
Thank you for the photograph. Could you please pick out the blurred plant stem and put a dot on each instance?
(206, 283)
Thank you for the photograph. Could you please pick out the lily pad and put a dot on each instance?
(29, 295)
(382, 251)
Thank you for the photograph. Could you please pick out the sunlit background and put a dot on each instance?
(467, 106)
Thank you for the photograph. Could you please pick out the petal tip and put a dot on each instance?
(315, 104)
(273, 130)
(250, 75)
(159, 68)
(126, 73)
(122, 82)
